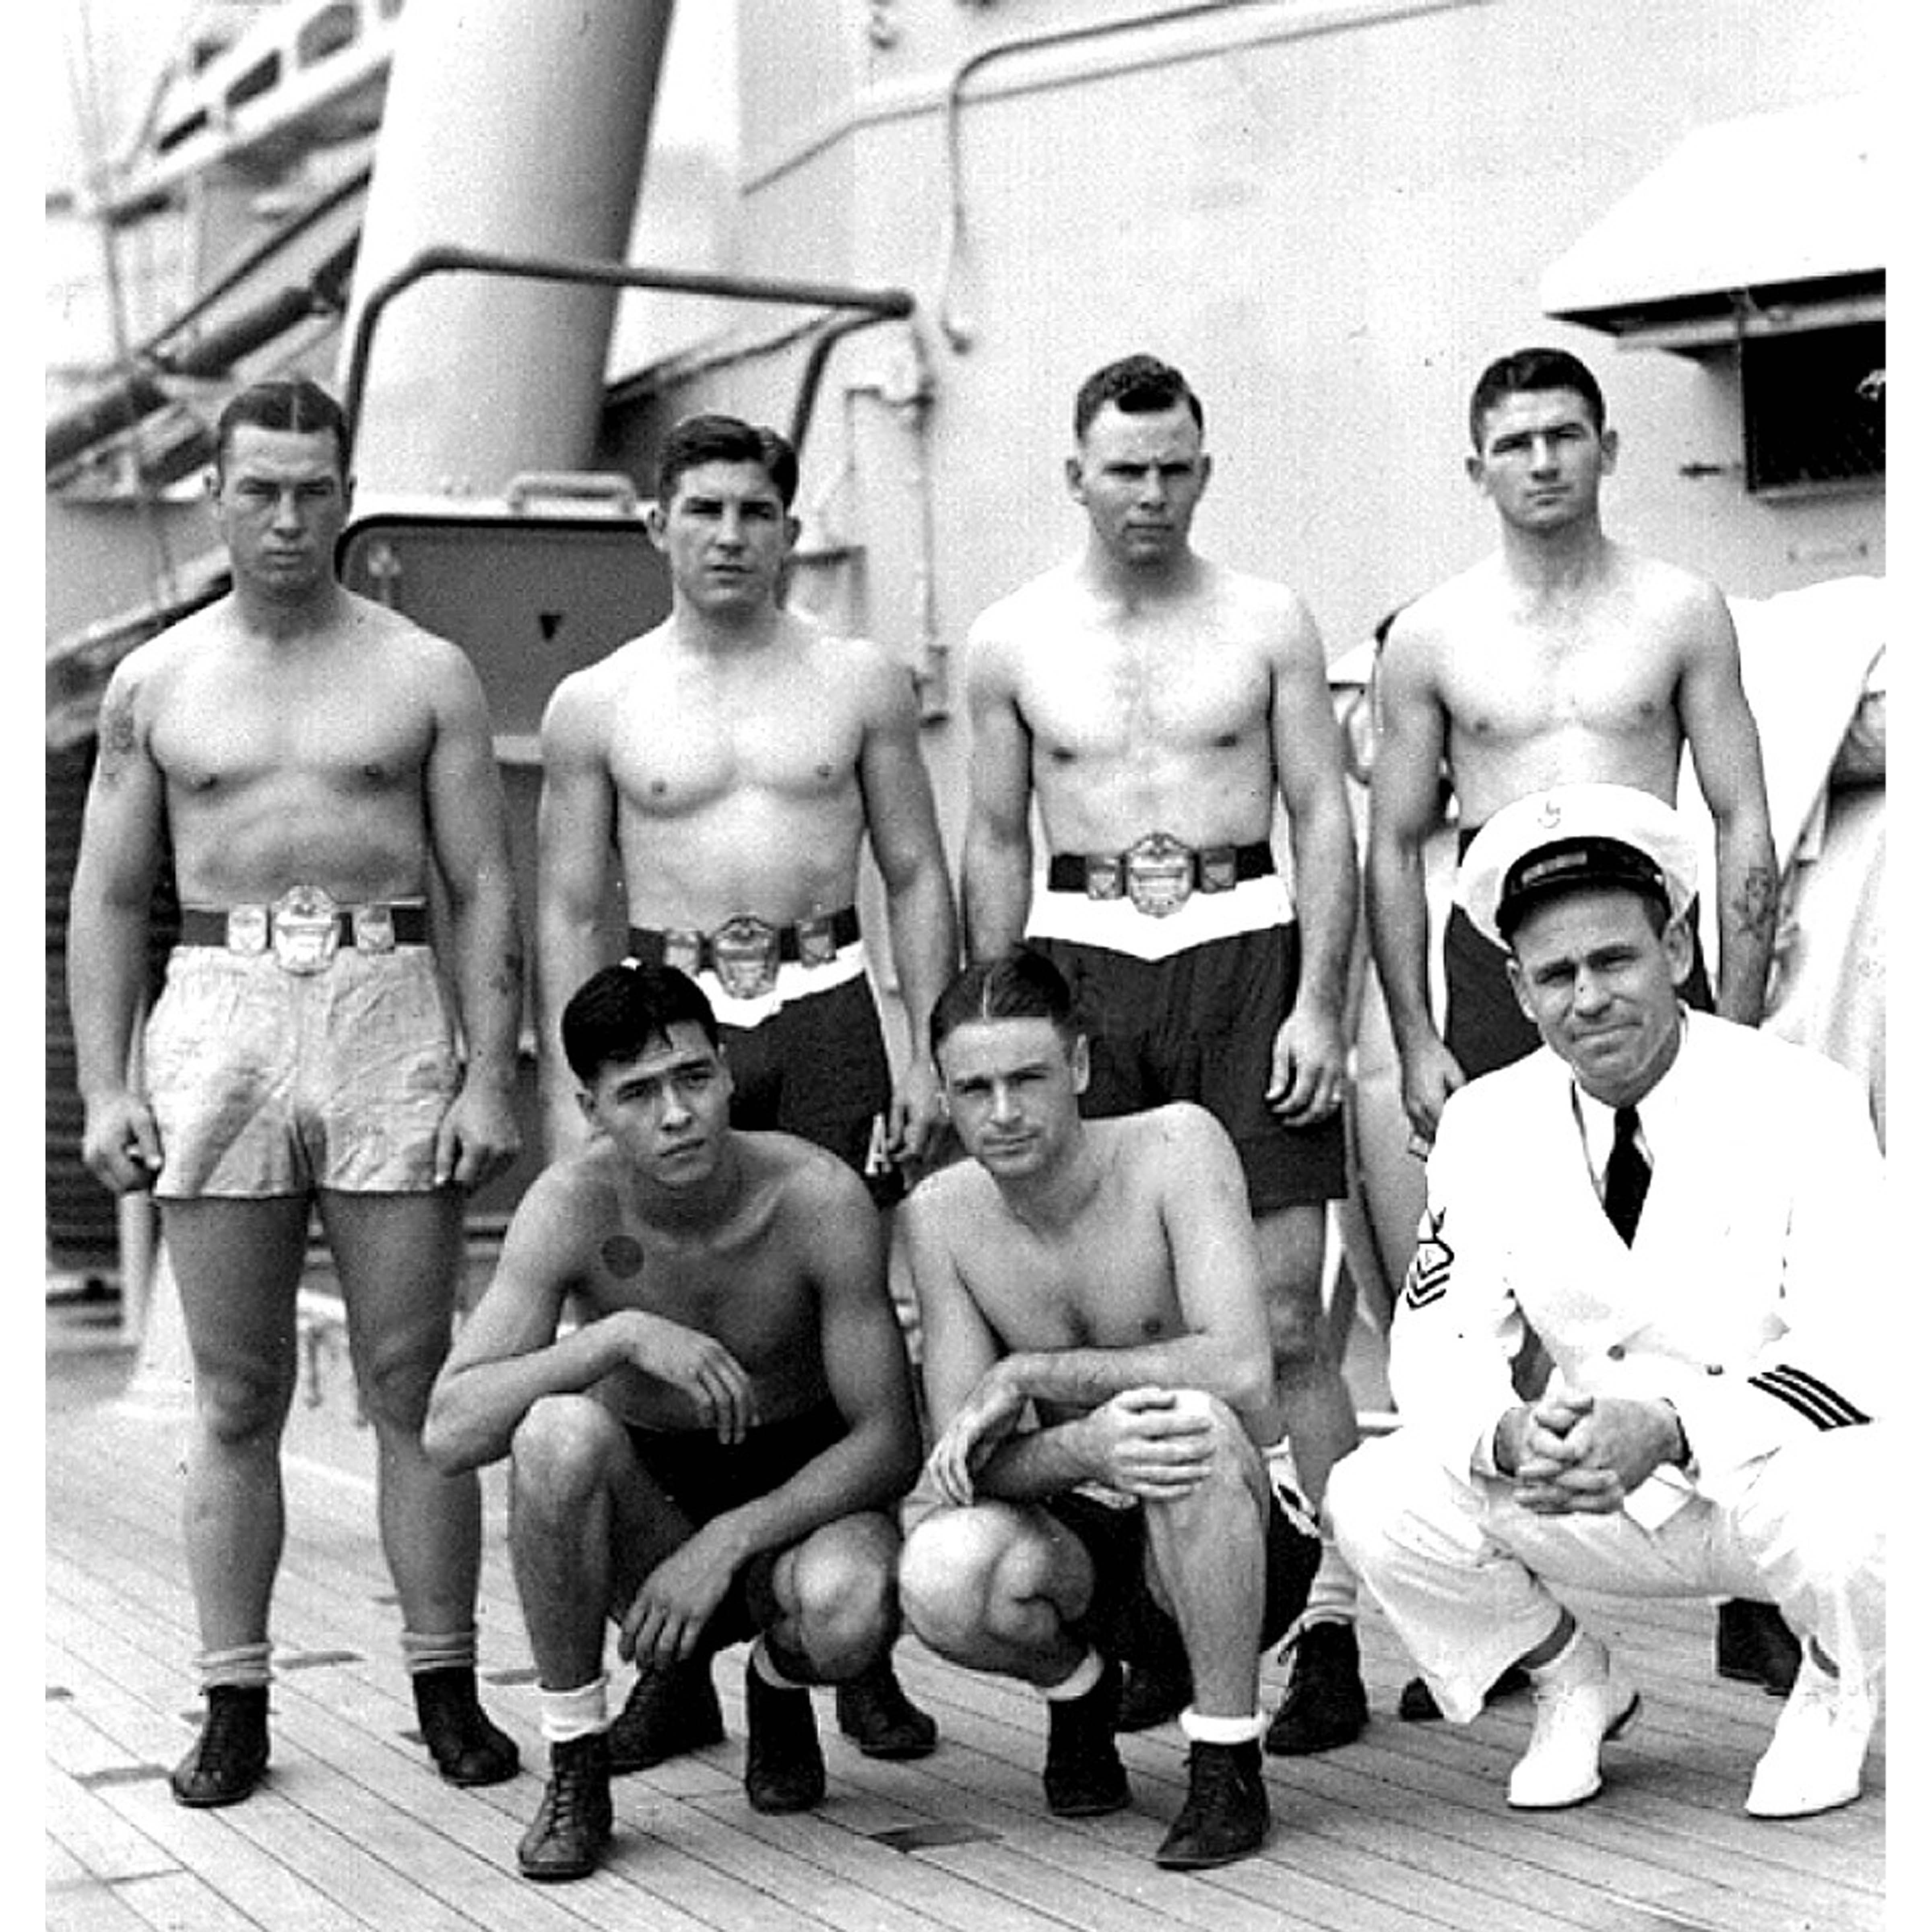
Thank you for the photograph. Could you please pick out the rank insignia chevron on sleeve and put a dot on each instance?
(1428, 1274)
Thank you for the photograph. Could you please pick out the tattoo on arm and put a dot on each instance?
(119, 739)
(1756, 905)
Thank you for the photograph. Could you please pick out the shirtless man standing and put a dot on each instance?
(1106, 1273)
(1563, 658)
(1155, 705)
(312, 762)
(736, 759)
(712, 1453)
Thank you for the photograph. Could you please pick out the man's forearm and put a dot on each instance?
(925, 945)
(106, 975)
(1040, 1462)
(997, 887)
(1084, 1379)
(1399, 937)
(567, 951)
(1327, 899)
(476, 1409)
(1747, 925)
(489, 976)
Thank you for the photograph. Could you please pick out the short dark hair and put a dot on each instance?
(1020, 984)
(292, 404)
(1524, 371)
(719, 438)
(616, 1015)
(1141, 385)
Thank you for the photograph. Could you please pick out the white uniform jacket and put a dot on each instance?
(1753, 1298)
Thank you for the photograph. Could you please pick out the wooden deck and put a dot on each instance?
(1406, 1829)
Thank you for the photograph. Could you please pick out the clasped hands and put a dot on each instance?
(1569, 1452)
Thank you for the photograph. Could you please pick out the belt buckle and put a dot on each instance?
(745, 956)
(375, 928)
(684, 953)
(1160, 874)
(248, 930)
(1216, 864)
(307, 929)
(1103, 876)
(817, 946)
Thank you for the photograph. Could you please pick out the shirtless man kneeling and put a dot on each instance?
(1097, 1367)
(714, 1453)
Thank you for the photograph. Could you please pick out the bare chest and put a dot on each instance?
(1138, 691)
(739, 1288)
(1107, 1286)
(223, 737)
(1516, 680)
(681, 743)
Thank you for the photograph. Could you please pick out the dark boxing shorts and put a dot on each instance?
(1124, 1620)
(705, 1478)
(1199, 1025)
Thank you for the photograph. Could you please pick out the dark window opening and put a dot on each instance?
(258, 80)
(1814, 409)
(329, 33)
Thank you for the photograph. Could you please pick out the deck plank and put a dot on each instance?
(1406, 1831)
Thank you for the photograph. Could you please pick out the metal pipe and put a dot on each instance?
(813, 374)
(957, 334)
(876, 304)
(139, 392)
(296, 226)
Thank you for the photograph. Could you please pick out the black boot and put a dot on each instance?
(784, 1769)
(467, 1747)
(876, 1713)
(231, 1753)
(1226, 1814)
(1325, 1705)
(1084, 1778)
(672, 1708)
(572, 1825)
(1417, 1705)
(1755, 1645)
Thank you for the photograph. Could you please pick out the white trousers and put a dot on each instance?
(1468, 1578)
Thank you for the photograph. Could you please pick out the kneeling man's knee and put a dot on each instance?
(846, 1597)
(947, 1571)
(560, 1447)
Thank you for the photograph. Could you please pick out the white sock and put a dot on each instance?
(452, 1650)
(1081, 1679)
(566, 1715)
(245, 1667)
(769, 1672)
(1197, 1729)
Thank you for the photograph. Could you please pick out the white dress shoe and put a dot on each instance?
(1583, 1702)
(1816, 1759)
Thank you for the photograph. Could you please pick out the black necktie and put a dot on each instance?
(1626, 1177)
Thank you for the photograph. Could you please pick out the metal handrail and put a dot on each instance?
(870, 305)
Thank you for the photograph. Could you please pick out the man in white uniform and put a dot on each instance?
(1688, 1213)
